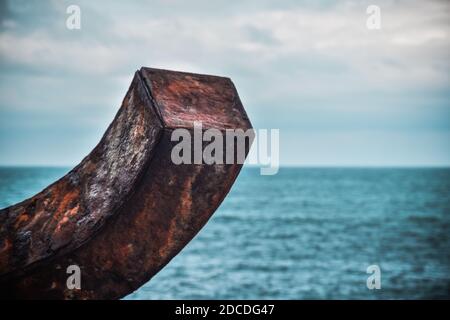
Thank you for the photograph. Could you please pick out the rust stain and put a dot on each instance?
(126, 210)
(21, 219)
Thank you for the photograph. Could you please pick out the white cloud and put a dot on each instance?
(40, 51)
(414, 35)
(313, 62)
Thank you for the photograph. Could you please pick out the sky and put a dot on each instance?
(340, 93)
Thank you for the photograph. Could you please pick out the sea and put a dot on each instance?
(305, 233)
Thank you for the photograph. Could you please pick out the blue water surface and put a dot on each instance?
(305, 233)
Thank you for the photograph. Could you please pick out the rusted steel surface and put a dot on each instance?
(126, 210)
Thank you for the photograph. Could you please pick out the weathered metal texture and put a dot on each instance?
(126, 210)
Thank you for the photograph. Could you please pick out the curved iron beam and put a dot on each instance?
(126, 210)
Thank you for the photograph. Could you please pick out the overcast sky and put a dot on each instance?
(339, 93)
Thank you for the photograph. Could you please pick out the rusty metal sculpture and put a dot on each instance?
(126, 210)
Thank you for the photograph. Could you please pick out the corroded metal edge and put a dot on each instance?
(70, 211)
(163, 210)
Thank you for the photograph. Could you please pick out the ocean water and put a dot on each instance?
(305, 233)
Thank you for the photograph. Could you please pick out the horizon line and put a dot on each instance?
(62, 166)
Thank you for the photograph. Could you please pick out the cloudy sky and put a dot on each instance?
(340, 94)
